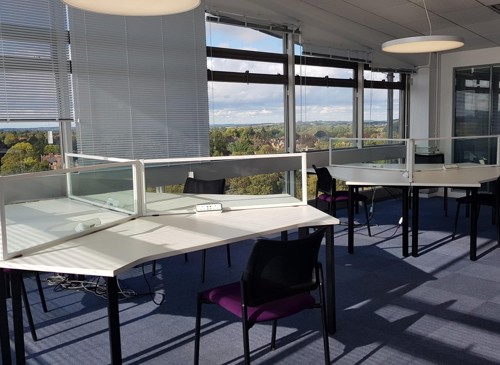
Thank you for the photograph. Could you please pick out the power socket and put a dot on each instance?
(208, 207)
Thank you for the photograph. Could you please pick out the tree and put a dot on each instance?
(10, 139)
(51, 148)
(20, 158)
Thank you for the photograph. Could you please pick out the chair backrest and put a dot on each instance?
(199, 186)
(325, 182)
(279, 269)
(434, 158)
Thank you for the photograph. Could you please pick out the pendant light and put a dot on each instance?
(423, 44)
(135, 7)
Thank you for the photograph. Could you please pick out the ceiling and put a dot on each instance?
(357, 28)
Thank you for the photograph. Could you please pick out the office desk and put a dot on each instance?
(361, 176)
(467, 176)
(114, 250)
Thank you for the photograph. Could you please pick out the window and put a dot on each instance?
(382, 95)
(34, 84)
(477, 112)
(325, 102)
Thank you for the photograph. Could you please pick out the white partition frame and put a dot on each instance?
(15, 179)
(356, 157)
(139, 197)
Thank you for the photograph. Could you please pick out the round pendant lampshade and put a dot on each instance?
(423, 44)
(135, 7)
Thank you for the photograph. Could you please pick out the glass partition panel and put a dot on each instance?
(45, 208)
(369, 152)
(250, 181)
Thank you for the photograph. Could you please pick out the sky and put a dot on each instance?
(253, 103)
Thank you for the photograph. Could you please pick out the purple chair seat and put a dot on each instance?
(338, 198)
(229, 297)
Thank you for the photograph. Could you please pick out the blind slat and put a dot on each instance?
(140, 84)
(34, 66)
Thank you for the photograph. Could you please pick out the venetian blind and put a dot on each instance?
(140, 84)
(34, 65)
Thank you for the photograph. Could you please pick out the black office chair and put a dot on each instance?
(326, 191)
(435, 158)
(277, 282)
(488, 199)
(199, 186)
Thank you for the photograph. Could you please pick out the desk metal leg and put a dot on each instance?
(350, 221)
(4, 323)
(414, 222)
(473, 226)
(330, 282)
(17, 312)
(404, 214)
(114, 321)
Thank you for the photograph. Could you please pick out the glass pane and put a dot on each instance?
(29, 147)
(472, 101)
(323, 112)
(381, 117)
(229, 36)
(381, 114)
(472, 114)
(43, 208)
(243, 104)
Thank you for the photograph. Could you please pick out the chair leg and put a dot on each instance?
(445, 197)
(228, 253)
(273, 335)
(367, 220)
(497, 213)
(28, 311)
(203, 259)
(40, 291)
(197, 331)
(246, 340)
(456, 222)
(323, 318)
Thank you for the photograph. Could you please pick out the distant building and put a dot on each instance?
(55, 161)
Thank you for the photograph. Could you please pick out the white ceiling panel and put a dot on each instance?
(363, 25)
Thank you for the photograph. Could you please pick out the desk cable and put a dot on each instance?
(97, 286)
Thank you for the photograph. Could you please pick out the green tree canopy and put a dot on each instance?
(20, 158)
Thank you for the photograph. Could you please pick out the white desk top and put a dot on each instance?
(466, 175)
(34, 223)
(114, 250)
(357, 175)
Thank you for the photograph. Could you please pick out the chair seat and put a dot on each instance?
(344, 195)
(341, 196)
(229, 297)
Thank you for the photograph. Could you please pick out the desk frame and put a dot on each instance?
(467, 177)
(316, 219)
